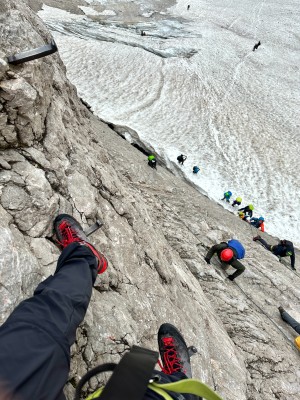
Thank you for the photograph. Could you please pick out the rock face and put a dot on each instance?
(57, 157)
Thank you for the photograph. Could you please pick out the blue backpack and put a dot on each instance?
(238, 247)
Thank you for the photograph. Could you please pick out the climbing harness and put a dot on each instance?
(134, 374)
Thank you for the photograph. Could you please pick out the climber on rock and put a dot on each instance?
(152, 161)
(228, 253)
(227, 196)
(181, 159)
(248, 210)
(258, 223)
(284, 248)
(292, 322)
(237, 201)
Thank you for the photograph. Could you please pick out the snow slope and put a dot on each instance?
(194, 85)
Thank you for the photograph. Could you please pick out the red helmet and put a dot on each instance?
(226, 255)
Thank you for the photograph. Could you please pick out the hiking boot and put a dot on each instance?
(281, 310)
(68, 230)
(173, 351)
(256, 238)
(230, 278)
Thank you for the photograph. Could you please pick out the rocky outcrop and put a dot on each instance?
(57, 157)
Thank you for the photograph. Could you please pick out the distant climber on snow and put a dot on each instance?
(188, 7)
(237, 201)
(256, 46)
(284, 248)
(227, 196)
(229, 254)
(248, 210)
(292, 322)
(258, 223)
(196, 169)
(152, 161)
(181, 159)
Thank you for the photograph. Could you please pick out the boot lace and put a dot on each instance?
(69, 235)
(170, 362)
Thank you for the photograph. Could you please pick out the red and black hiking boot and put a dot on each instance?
(68, 230)
(173, 351)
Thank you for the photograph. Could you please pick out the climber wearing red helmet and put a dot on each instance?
(228, 254)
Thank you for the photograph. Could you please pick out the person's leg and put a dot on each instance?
(35, 340)
(240, 268)
(265, 244)
(291, 321)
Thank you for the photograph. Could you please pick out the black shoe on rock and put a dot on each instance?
(173, 351)
(281, 310)
(68, 230)
(256, 238)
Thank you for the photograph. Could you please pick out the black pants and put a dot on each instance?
(35, 340)
(291, 321)
(264, 243)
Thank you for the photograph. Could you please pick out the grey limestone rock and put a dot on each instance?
(57, 157)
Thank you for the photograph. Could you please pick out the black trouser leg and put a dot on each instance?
(239, 270)
(264, 243)
(35, 340)
(291, 321)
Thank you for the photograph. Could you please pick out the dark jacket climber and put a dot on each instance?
(284, 248)
(248, 210)
(196, 169)
(152, 161)
(181, 159)
(292, 322)
(256, 46)
(258, 223)
(228, 254)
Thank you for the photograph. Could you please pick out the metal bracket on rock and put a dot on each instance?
(33, 54)
(192, 350)
(93, 228)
